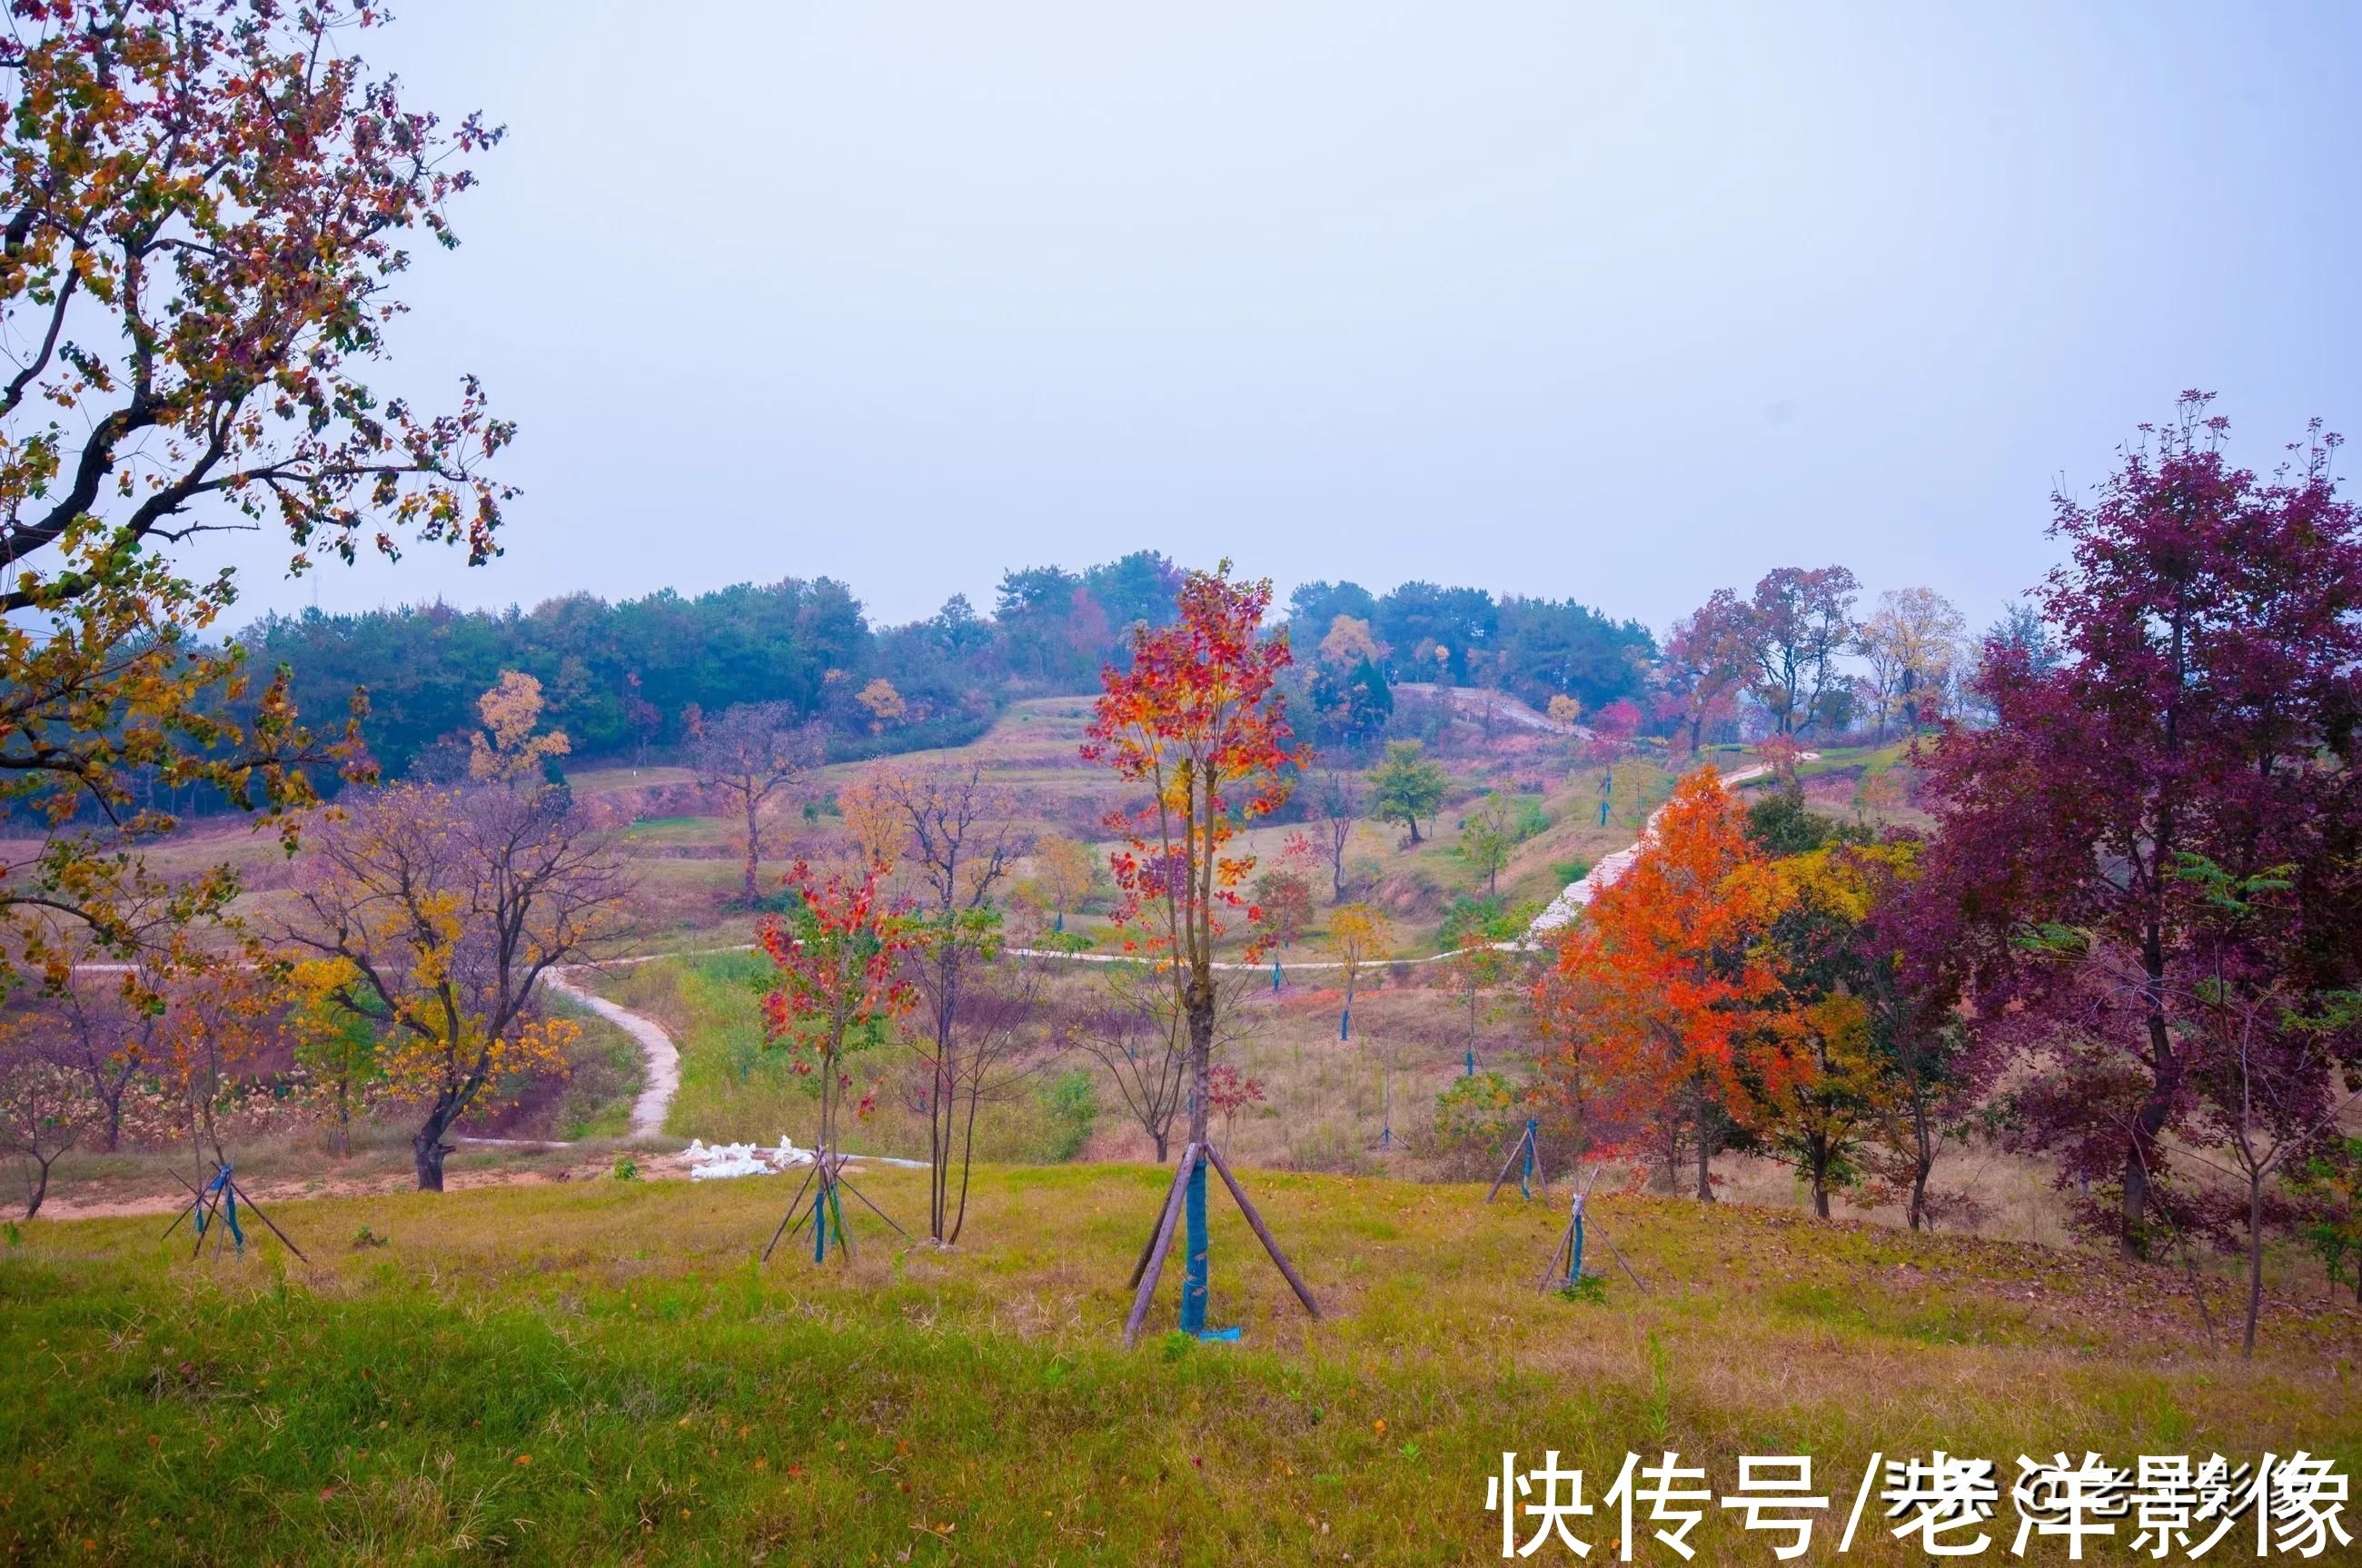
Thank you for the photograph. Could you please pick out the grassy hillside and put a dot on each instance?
(600, 1373)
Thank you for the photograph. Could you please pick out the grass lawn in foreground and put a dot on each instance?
(600, 1372)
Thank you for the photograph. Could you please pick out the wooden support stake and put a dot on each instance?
(873, 1207)
(1516, 1150)
(1597, 1231)
(1157, 1248)
(209, 1215)
(1565, 1240)
(1263, 1231)
(794, 1204)
(183, 1214)
(1180, 1174)
(256, 1209)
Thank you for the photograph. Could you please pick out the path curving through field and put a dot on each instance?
(1611, 869)
(663, 1057)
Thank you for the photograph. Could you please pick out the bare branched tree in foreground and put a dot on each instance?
(960, 846)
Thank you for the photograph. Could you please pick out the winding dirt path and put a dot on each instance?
(663, 1057)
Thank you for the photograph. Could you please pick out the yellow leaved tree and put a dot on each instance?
(506, 749)
(438, 914)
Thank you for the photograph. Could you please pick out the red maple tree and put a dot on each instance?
(1197, 718)
(1652, 990)
(839, 968)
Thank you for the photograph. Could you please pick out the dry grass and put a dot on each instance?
(564, 1372)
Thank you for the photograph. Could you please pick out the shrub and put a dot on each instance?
(1071, 1100)
(1586, 1287)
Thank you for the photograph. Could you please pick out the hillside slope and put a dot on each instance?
(599, 1372)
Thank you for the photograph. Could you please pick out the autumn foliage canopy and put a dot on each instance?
(1198, 720)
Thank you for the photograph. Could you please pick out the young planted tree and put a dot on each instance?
(748, 754)
(337, 1047)
(1478, 937)
(110, 1032)
(1134, 1030)
(440, 912)
(206, 207)
(1197, 719)
(2272, 1091)
(875, 832)
(1232, 1091)
(2212, 621)
(1337, 802)
(1908, 971)
(1814, 1082)
(2328, 1188)
(838, 960)
(2279, 1070)
(1359, 936)
(1406, 786)
(1488, 839)
(962, 846)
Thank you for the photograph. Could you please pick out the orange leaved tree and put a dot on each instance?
(1653, 990)
(1198, 720)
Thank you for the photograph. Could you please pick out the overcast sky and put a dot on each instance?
(1620, 302)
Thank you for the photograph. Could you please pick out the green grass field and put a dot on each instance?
(602, 1373)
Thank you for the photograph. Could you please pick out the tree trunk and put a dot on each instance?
(40, 1189)
(2135, 1210)
(754, 854)
(1922, 1167)
(1413, 820)
(2255, 1260)
(428, 1149)
(1161, 1154)
(967, 1163)
(1820, 1195)
(1705, 1163)
(1201, 1053)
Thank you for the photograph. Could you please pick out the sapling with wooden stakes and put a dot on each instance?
(1571, 1241)
(839, 959)
(1198, 718)
(1526, 1159)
